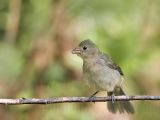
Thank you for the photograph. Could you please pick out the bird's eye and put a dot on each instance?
(84, 48)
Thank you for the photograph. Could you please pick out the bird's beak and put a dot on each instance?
(76, 51)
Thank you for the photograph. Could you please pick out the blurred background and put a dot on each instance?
(36, 39)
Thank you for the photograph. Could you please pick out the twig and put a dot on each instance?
(74, 99)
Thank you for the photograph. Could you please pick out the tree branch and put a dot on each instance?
(74, 99)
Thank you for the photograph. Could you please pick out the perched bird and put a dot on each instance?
(102, 73)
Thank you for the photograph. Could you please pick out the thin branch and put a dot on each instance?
(74, 99)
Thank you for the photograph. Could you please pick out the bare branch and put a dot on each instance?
(74, 99)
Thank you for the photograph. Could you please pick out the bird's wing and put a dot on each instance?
(110, 63)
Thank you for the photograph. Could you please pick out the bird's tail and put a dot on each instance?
(120, 106)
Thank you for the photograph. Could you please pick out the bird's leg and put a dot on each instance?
(112, 96)
(93, 95)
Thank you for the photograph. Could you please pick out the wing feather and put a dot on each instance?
(110, 63)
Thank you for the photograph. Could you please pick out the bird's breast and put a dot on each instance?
(100, 75)
(93, 66)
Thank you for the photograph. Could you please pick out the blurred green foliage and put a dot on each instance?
(36, 39)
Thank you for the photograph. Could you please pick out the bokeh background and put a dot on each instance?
(36, 39)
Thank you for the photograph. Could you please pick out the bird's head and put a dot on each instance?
(86, 49)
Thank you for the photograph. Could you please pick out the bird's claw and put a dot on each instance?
(91, 98)
(113, 98)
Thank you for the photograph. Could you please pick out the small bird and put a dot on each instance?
(102, 73)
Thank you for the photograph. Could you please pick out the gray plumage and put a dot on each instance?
(102, 73)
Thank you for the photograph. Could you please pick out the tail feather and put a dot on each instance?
(121, 106)
(112, 107)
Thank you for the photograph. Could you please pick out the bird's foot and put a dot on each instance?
(91, 98)
(113, 98)
(112, 95)
(93, 95)
(23, 98)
